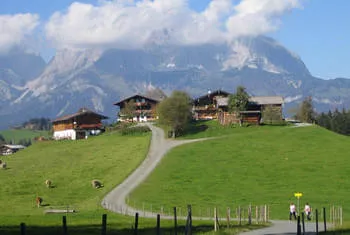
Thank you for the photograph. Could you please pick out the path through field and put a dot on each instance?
(116, 200)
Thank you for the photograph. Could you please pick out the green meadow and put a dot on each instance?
(70, 165)
(254, 165)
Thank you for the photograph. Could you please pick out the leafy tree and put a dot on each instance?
(175, 111)
(2, 140)
(269, 114)
(306, 111)
(129, 110)
(238, 102)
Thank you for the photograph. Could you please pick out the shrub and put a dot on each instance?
(135, 130)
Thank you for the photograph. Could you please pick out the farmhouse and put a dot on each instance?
(206, 106)
(78, 125)
(7, 149)
(140, 108)
(254, 113)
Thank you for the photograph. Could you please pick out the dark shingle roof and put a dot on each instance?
(81, 111)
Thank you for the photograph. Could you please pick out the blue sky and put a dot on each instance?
(319, 32)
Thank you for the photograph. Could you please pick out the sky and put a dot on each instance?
(316, 30)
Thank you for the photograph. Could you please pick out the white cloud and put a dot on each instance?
(14, 28)
(256, 17)
(132, 24)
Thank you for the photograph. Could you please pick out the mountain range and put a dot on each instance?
(93, 78)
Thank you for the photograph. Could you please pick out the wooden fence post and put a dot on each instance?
(23, 228)
(240, 216)
(136, 223)
(215, 225)
(298, 226)
(265, 213)
(158, 224)
(250, 214)
(104, 224)
(341, 216)
(175, 221)
(64, 225)
(303, 221)
(324, 219)
(257, 214)
(316, 222)
(228, 215)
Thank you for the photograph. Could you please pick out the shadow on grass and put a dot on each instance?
(196, 127)
(111, 230)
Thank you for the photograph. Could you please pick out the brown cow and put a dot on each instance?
(38, 201)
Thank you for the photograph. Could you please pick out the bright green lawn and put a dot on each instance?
(258, 165)
(16, 135)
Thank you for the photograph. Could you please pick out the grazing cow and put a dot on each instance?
(96, 184)
(48, 183)
(38, 201)
(3, 165)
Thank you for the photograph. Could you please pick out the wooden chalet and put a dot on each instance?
(253, 114)
(78, 125)
(140, 108)
(206, 106)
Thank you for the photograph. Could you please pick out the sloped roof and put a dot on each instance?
(212, 94)
(261, 100)
(156, 95)
(14, 146)
(81, 111)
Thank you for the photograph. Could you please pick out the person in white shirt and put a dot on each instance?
(307, 210)
(292, 211)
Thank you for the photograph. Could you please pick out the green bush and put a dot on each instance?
(135, 130)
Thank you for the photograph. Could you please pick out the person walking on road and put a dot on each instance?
(307, 210)
(292, 211)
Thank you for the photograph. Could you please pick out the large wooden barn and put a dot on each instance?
(140, 108)
(255, 109)
(206, 107)
(78, 125)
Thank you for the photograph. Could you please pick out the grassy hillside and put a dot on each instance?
(16, 135)
(259, 165)
(70, 165)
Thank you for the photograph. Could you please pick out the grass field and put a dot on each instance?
(70, 165)
(257, 165)
(16, 135)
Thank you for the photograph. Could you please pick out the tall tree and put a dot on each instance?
(306, 111)
(129, 110)
(175, 111)
(238, 102)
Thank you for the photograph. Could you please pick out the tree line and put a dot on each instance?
(336, 121)
(39, 124)
(24, 142)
